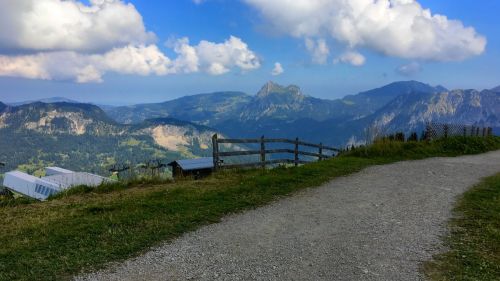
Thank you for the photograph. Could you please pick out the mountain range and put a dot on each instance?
(273, 101)
(287, 112)
(89, 137)
(82, 137)
(47, 100)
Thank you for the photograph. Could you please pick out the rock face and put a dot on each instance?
(61, 118)
(411, 111)
(174, 135)
(370, 101)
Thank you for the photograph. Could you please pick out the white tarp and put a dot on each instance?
(59, 179)
(51, 171)
(29, 185)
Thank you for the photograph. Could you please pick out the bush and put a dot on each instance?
(413, 137)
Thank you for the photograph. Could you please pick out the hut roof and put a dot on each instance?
(194, 164)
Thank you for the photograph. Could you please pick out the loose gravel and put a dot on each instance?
(379, 224)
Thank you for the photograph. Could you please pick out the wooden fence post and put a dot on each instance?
(296, 152)
(320, 151)
(472, 131)
(215, 149)
(465, 131)
(262, 152)
(477, 131)
(446, 128)
(490, 131)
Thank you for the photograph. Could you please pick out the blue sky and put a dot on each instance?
(268, 40)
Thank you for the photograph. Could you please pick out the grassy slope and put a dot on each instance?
(58, 238)
(474, 240)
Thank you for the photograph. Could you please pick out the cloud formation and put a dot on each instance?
(277, 70)
(318, 49)
(55, 25)
(409, 69)
(397, 28)
(208, 57)
(68, 40)
(213, 58)
(352, 58)
(69, 65)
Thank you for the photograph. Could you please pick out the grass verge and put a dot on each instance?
(56, 239)
(474, 239)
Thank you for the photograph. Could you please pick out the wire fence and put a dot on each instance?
(441, 130)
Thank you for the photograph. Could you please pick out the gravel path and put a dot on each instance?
(379, 224)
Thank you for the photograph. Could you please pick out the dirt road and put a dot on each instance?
(379, 224)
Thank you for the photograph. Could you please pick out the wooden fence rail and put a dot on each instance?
(218, 164)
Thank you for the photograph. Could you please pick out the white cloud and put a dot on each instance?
(214, 58)
(409, 69)
(398, 28)
(318, 49)
(187, 60)
(352, 58)
(278, 69)
(198, 2)
(70, 65)
(69, 40)
(209, 57)
(56, 25)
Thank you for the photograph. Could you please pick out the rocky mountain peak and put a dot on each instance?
(271, 88)
(497, 89)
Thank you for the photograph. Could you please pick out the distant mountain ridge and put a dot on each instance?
(183, 127)
(279, 110)
(72, 118)
(273, 101)
(82, 137)
(458, 106)
(201, 108)
(46, 100)
(375, 99)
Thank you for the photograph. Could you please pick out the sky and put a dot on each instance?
(140, 51)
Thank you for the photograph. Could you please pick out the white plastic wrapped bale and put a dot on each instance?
(66, 181)
(29, 185)
(51, 171)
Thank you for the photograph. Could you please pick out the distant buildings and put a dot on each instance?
(196, 168)
(55, 181)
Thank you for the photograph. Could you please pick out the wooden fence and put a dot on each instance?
(296, 152)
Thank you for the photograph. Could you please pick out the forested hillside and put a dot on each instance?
(82, 137)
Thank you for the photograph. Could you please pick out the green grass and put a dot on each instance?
(474, 239)
(86, 228)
